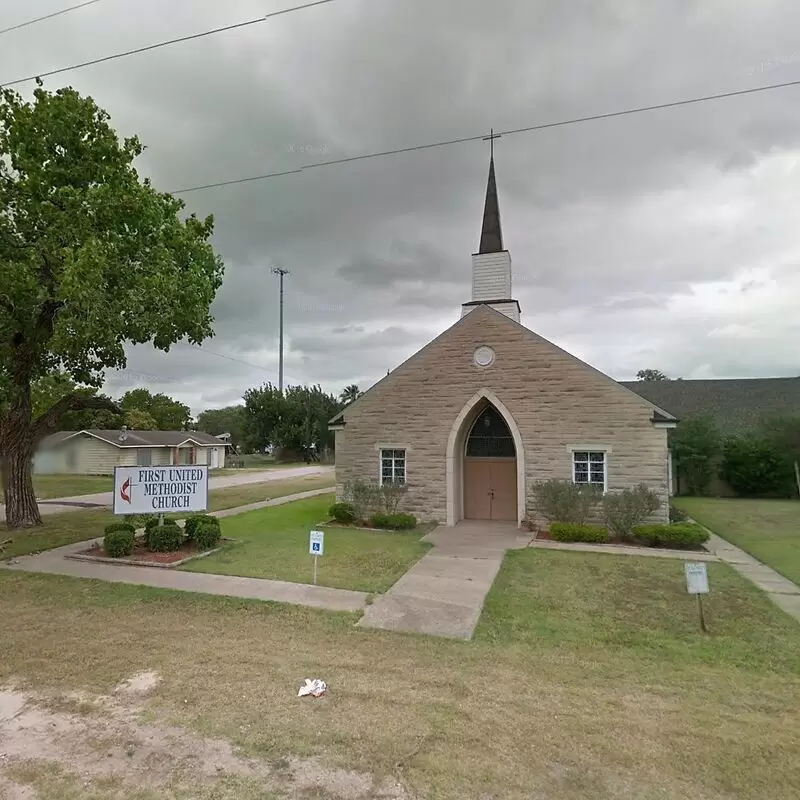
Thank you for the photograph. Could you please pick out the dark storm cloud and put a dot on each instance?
(615, 227)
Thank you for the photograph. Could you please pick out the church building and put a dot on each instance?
(478, 416)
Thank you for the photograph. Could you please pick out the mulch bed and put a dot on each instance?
(614, 541)
(143, 557)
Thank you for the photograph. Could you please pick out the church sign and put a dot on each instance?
(160, 490)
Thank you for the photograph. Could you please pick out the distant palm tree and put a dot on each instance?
(350, 393)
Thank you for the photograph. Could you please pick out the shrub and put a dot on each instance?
(572, 532)
(393, 522)
(207, 536)
(119, 526)
(628, 508)
(565, 501)
(119, 540)
(363, 496)
(391, 495)
(402, 522)
(194, 522)
(755, 466)
(380, 520)
(685, 534)
(677, 514)
(343, 512)
(164, 538)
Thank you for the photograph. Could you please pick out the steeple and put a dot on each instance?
(491, 265)
(491, 232)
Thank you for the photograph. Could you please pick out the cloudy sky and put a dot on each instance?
(668, 239)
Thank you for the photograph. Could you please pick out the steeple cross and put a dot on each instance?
(490, 138)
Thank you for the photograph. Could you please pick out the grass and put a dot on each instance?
(78, 526)
(49, 486)
(273, 543)
(767, 529)
(588, 677)
(234, 496)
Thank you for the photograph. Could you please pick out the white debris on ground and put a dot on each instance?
(105, 739)
(141, 683)
(313, 688)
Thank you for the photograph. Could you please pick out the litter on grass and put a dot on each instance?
(314, 688)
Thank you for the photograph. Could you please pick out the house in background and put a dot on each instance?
(736, 406)
(98, 452)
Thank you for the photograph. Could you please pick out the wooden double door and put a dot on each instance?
(490, 488)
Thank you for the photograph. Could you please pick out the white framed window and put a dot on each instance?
(590, 467)
(393, 466)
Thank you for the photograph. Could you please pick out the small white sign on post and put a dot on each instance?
(316, 546)
(697, 584)
(696, 578)
(316, 543)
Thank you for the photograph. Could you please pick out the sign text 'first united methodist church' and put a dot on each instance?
(158, 490)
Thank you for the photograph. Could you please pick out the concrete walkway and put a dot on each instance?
(780, 590)
(443, 593)
(56, 562)
(103, 499)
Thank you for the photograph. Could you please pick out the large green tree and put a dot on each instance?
(295, 420)
(231, 419)
(169, 414)
(696, 443)
(91, 257)
(651, 375)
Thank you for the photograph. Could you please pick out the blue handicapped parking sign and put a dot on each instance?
(316, 543)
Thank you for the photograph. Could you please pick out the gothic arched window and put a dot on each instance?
(490, 436)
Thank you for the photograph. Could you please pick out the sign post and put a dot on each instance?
(697, 584)
(316, 546)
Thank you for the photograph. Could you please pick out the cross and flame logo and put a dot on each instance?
(125, 491)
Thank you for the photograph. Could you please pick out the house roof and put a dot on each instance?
(140, 438)
(736, 405)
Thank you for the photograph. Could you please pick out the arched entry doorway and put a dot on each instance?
(490, 469)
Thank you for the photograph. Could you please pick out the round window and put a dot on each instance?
(484, 356)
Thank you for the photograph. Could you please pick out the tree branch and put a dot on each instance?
(49, 421)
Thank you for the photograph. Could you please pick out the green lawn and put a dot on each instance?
(49, 486)
(77, 526)
(588, 678)
(273, 543)
(767, 529)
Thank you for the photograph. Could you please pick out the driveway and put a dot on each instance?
(101, 499)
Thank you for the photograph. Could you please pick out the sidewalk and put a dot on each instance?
(443, 593)
(782, 592)
(55, 562)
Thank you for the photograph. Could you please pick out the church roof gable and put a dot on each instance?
(475, 318)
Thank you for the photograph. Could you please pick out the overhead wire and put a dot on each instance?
(474, 138)
(169, 42)
(29, 22)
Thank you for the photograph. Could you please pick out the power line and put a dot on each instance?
(48, 16)
(481, 136)
(180, 39)
(228, 358)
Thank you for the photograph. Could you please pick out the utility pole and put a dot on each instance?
(281, 273)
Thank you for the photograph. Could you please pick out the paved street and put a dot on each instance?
(77, 502)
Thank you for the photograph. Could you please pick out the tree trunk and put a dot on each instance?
(16, 465)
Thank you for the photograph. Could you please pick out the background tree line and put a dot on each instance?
(763, 462)
(293, 423)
